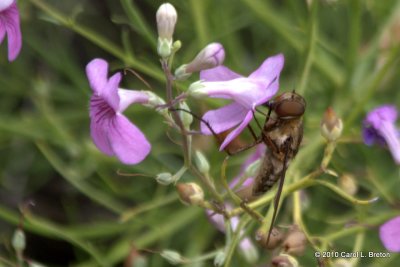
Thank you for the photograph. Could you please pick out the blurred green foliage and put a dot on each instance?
(343, 54)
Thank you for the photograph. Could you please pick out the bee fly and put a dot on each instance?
(282, 134)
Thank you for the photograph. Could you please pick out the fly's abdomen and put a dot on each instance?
(269, 173)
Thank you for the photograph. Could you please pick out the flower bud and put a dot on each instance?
(202, 162)
(274, 240)
(190, 193)
(348, 183)
(331, 125)
(295, 242)
(249, 251)
(219, 258)
(211, 56)
(165, 178)
(186, 117)
(196, 90)
(166, 19)
(18, 240)
(172, 257)
(284, 260)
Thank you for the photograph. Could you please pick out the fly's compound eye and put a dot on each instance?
(289, 109)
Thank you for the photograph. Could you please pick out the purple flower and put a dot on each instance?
(246, 92)
(9, 23)
(111, 131)
(379, 127)
(389, 233)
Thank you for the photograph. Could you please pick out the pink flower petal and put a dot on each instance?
(4, 4)
(127, 141)
(9, 19)
(110, 91)
(2, 31)
(269, 69)
(99, 133)
(220, 73)
(232, 135)
(128, 97)
(223, 118)
(96, 71)
(242, 90)
(389, 234)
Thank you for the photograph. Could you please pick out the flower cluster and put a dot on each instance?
(9, 23)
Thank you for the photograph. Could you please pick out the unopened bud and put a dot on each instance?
(348, 183)
(18, 240)
(166, 19)
(284, 260)
(219, 259)
(295, 242)
(202, 162)
(196, 90)
(274, 240)
(190, 193)
(249, 251)
(176, 46)
(186, 117)
(331, 125)
(172, 257)
(211, 56)
(165, 178)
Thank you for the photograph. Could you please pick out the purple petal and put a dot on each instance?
(389, 133)
(389, 233)
(220, 73)
(217, 220)
(232, 135)
(99, 134)
(223, 118)
(270, 91)
(383, 113)
(127, 141)
(269, 70)
(110, 91)
(128, 97)
(97, 71)
(4, 4)
(9, 19)
(244, 91)
(2, 31)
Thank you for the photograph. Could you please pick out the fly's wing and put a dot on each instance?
(287, 145)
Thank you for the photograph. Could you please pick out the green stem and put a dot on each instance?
(311, 46)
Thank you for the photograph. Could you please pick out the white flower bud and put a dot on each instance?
(172, 257)
(18, 240)
(186, 117)
(166, 19)
(348, 183)
(202, 162)
(165, 178)
(196, 90)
